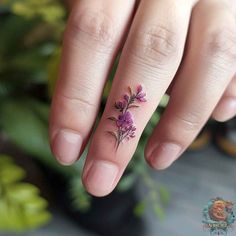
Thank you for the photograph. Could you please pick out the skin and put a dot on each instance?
(188, 46)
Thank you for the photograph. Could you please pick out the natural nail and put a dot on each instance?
(66, 146)
(100, 178)
(226, 109)
(164, 155)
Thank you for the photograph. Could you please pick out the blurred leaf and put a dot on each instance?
(126, 182)
(29, 132)
(48, 10)
(164, 195)
(12, 33)
(159, 211)
(53, 67)
(40, 109)
(22, 192)
(139, 208)
(11, 173)
(5, 160)
(39, 219)
(24, 128)
(164, 101)
(154, 119)
(34, 204)
(21, 207)
(107, 90)
(80, 198)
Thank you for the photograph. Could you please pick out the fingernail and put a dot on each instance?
(66, 146)
(226, 109)
(164, 155)
(100, 178)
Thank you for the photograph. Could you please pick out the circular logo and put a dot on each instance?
(218, 216)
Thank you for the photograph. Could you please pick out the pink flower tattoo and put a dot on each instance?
(125, 121)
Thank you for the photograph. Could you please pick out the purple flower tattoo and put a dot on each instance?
(125, 121)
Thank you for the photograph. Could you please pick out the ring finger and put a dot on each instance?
(206, 71)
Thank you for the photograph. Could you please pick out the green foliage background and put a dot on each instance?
(21, 207)
(30, 45)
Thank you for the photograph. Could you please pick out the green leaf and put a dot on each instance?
(11, 173)
(164, 195)
(126, 182)
(107, 90)
(21, 207)
(25, 127)
(150, 126)
(130, 90)
(22, 192)
(15, 219)
(12, 33)
(113, 134)
(41, 109)
(5, 160)
(164, 101)
(47, 10)
(159, 211)
(155, 118)
(53, 67)
(139, 208)
(112, 118)
(34, 204)
(38, 219)
(80, 198)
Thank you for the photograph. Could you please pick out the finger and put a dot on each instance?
(150, 57)
(92, 38)
(226, 108)
(206, 71)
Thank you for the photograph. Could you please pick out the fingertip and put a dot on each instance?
(66, 146)
(100, 178)
(225, 110)
(163, 155)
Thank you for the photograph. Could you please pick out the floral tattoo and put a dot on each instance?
(125, 122)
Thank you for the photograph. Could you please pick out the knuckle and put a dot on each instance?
(222, 42)
(190, 122)
(156, 44)
(77, 102)
(92, 25)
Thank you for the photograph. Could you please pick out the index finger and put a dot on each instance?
(92, 38)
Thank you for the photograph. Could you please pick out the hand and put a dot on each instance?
(187, 47)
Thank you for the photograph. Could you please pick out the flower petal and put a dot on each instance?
(142, 99)
(126, 97)
(139, 88)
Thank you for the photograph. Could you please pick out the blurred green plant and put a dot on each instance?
(50, 11)
(30, 46)
(21, 207)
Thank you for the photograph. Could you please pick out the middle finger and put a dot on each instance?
(151, 57)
